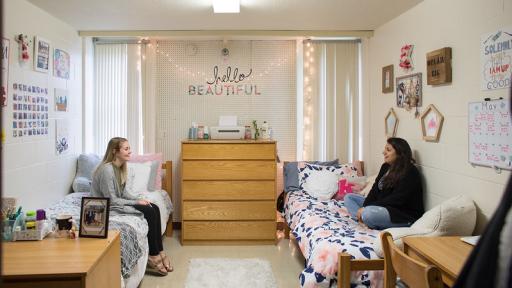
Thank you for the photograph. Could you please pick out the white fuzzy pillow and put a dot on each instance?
(322, 184)
(138, 177)
(455, 216)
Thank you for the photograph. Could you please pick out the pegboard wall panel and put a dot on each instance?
(187, 91)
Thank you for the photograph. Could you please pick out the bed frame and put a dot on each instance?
(167, 186)
(345, 263)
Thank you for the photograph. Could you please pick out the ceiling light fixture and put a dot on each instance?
(226, 6)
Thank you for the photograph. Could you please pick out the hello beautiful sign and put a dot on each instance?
(226, 82)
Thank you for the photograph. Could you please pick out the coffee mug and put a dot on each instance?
(64, 222)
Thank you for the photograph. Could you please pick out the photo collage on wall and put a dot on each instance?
(30, 110)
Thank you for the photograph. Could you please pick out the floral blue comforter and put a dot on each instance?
(322, 230)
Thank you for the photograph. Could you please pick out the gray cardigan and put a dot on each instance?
(104, 184)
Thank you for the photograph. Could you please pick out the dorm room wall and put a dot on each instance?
(185, 67)
(431, 25)
(32, 170)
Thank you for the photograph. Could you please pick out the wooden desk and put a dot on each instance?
(81, 262)
(447, 253)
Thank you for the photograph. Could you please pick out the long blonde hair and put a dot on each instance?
(114, 146)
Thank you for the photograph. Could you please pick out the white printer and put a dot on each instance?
(227, 132)
(227, 129)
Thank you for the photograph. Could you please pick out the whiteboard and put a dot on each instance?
(490, 134)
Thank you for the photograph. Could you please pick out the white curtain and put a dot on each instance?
(331, 94)
(117, 105)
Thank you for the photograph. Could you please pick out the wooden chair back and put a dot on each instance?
(414, 273)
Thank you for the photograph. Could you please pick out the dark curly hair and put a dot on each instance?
(401, 164)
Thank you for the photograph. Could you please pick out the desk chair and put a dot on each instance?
(411, 271)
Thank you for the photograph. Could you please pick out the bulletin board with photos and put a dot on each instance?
(29, 110)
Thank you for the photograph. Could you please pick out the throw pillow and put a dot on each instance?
(86, 165)
(138, 178)
(348, 170)
(152, 157)
(321, 184)
(454, 217)
(291, 173)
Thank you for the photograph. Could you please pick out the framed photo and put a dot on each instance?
(391, 123)
(94, 217)
(431, 123)
(408, 91)
(41, 55)
(387, 79)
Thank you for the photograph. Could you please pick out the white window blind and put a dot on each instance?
(117, 109)
(331, 99)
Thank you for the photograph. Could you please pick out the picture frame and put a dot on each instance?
(390, 123)
(431, 123)
(41, 54)
(387, 79)
(409, 91)
(94, 215)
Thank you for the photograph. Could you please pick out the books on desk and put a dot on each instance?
(471, 239)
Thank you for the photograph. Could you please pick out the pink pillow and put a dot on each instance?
(152, 157)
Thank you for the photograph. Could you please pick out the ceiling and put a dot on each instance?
(129, 15)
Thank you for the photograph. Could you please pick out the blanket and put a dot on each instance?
(322, 230)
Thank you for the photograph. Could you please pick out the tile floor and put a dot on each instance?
(285, 257)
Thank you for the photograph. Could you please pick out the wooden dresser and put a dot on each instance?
(228, 191)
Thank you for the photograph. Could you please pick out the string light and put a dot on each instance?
(309, 74)
(280, 62)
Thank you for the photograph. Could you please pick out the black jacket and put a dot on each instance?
(404, 202)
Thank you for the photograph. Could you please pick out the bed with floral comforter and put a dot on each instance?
(322, 229)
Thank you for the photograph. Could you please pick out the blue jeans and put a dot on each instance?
(375, 217)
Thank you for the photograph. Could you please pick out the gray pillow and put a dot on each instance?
(85, 167)
(291, 173)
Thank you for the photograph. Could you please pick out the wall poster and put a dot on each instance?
(61, 136)
(61, 63)
(496, 58)
(61, 100)
(29, 110)
(5, 71)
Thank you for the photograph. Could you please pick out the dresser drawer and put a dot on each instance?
(229, 151)
(228, 170)
(228, 210)
(228, 190)
(229, 230)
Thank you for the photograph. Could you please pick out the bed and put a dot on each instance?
(134, 247)
(332, 243)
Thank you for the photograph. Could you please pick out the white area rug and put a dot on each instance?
(229, 273)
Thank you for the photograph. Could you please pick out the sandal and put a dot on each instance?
(166, 261)
(156, 266)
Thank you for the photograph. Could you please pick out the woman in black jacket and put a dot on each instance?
(396, 198)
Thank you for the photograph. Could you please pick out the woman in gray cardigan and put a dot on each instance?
(109, 180)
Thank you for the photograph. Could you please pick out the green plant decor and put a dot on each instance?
(257, 132)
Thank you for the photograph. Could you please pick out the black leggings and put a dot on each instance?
(152, 215)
